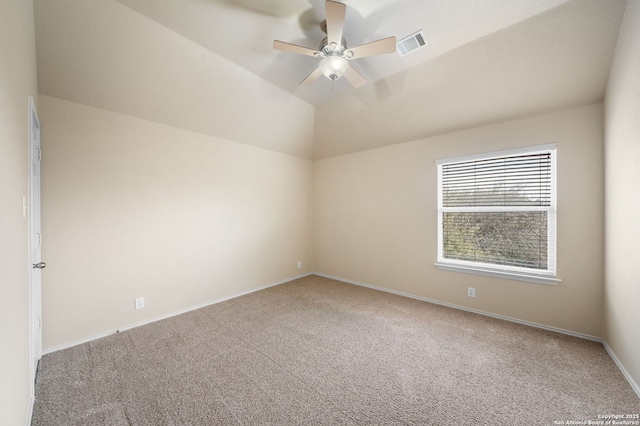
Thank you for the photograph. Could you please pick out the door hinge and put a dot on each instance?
(38, 155)
(39, 323)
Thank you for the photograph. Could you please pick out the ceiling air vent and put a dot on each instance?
(411, 43)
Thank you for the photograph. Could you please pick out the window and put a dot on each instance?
(497, 214)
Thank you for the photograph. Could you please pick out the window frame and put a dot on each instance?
(547, 276)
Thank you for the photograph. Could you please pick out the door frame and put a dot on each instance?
(35, 241)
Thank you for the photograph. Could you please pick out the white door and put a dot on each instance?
(36, 239)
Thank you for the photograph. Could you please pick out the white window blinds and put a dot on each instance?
(498, 210)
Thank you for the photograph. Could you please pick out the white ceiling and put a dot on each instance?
(242, 31)
(186, 63)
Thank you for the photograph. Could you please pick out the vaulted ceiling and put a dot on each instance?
(487, 61)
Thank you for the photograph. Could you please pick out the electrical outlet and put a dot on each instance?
(299, 264)
(139, 303)
(471, 292)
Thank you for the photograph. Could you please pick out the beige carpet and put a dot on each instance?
(316, 351)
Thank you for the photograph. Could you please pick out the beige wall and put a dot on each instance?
(133, 208)
(622, 177)
(17, 83)
(375, 220)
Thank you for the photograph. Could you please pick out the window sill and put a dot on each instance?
(538, 279)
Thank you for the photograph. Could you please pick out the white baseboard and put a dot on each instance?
(172, 314)
(463, 308)
(32, 401)
(624, 371)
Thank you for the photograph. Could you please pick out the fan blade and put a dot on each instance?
(335, 21)
(293, 48)
(311, 78)
(354, 77)
(378, 47)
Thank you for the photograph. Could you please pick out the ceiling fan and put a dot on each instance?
(334, 52)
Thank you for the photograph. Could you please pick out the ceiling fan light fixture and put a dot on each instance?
(334, 67)
(333, 52)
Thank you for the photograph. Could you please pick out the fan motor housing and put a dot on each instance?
(328, 49)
